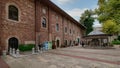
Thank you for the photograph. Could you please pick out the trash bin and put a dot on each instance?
(45, 45)
(49, 45)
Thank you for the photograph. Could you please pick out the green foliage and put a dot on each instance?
(109, 10)
(26, 47)
(116, 42)
(110, 27)
(87, 20)
(118, 38)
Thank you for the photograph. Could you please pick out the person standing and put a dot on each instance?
(82, 43)
(0, 50)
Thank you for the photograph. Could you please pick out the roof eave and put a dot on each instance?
(63, 13)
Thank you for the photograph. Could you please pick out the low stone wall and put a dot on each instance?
(116, 46)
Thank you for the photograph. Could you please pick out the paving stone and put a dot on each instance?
(52, 66)
(78, 67)
(73, 57)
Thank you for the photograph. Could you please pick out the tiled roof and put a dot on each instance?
(96, 32)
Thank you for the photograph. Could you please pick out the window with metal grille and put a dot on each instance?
(57, 27)
(44, 23)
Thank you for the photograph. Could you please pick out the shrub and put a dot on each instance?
(26, 47)
(116, 42)
(118, 38)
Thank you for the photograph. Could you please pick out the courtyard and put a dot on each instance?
(71, 57)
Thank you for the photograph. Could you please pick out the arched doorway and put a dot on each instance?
(58, 43)
(13, 43)
(70, 43)
(78, 40)
(95, 42)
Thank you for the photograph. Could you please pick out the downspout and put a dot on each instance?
(48, 24)
(35, 24)
(63, 29)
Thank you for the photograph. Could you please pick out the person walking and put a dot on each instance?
(82, 43)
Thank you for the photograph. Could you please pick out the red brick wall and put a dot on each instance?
(50, 33)
(74, 35)
(42, 32)
(1, 46)
(24, 29)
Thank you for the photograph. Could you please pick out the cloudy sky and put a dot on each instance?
(76, 7)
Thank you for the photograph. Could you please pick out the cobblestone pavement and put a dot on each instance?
(3, 64)
(71, 57)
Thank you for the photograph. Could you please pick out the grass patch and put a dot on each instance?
(26, 47)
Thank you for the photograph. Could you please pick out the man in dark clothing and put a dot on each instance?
(82, 44)
(40, 47)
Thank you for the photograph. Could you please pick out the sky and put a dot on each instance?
(76, 7)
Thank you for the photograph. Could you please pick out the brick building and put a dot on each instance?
(34, 22)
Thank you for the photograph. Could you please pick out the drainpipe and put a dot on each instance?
(48, 24)
(63, 29)
(35, 25)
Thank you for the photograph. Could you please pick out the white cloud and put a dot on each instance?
(95, 16)
(63, 1)
(97, 24)
(76, 12)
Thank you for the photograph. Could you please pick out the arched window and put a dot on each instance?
(44, 23)
(13, 13)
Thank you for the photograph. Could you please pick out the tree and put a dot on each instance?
(110, 27)
(118, 38)
(109, 14)
(109, 10)
(87, 20)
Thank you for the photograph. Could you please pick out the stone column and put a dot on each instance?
(17, 52)
(33, 50)
(4, 54)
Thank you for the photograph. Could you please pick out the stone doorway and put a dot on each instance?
(58, 43)
(13, 43)
(95, 42)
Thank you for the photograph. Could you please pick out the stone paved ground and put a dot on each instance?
(3, 64)
(71, 57)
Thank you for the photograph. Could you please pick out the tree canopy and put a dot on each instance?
(109, 10)
(110, 27)
(87, 20)
(109, 14)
